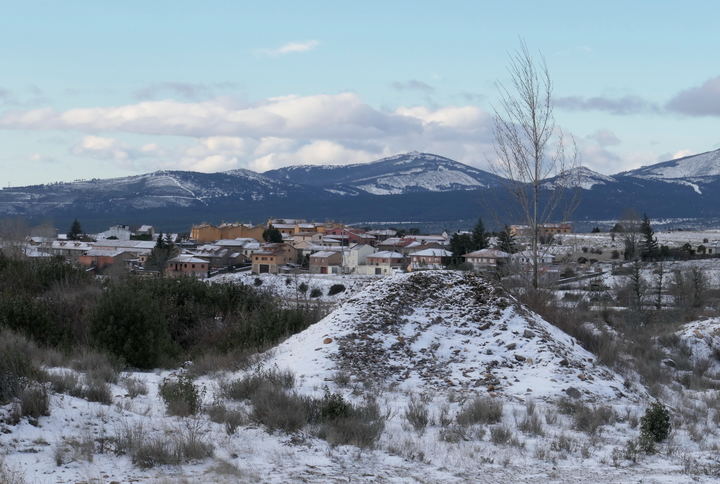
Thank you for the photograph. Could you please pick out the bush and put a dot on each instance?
(302, 288)
(181, 396)
(655, 424)
(278, 410)
(131, 324)
(34, 402)
(66, 382)
(232, 419)
(134, 387)
(336, 289)
(417, 415)
(16, 365)
(244, 388)
(96, 390)
(315, 292)
(586, 418)
(258, 282)
(97, 365)
(484, 410)
(361, 426)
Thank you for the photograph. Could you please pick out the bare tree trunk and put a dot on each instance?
(530, 148)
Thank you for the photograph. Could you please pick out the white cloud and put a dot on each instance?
(291, 48)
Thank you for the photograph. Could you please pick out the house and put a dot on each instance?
(356, 255)
(325, 262)
(271, 258)
(430, 259)
(382, 234)
(219, 257)
(146, 231)
(71, 249)
(526, 257)
(383, 262)
(486, 258)
(118, 232)
(187, 265)
(349, 236)
(205, 233)
(99, 259)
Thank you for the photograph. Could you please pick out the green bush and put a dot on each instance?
(315, 292)
(131, 324)
(336, 289)
(655, 424)
(181, 396)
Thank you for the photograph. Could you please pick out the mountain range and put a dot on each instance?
(409, 187)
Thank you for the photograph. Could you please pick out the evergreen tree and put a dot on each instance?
(76, 232)
(271, 234)
(649, 244)
(479, 236)
(163, 251)
(461, 244)
(506, 241)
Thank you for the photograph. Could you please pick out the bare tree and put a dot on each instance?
(530, 148)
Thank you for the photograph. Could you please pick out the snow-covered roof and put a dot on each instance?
(432, 253)
(104, 252)
(491, 253)
(324, 253)
(387, 254)
(188, 258)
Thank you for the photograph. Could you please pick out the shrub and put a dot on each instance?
(181, 396)
(484, 410)
(315, 292)
(232, 419)
(96, 390)
(134, 386)
(303, 287)
(655, 424)
(500, 434)
(336, 289)
(66, 382)
(586, 418)
(417, 415)
(97, 365)
(10, 476)
(130, 323)
(16, 365)
(258, 282)
(278, 410)
(244, 388)
(34, 402)
(333, 406)
(361, 427)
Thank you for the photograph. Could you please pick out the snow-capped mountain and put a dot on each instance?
(152, 190)
(702, 165)
(580, 177)
(410, 187)
(404, 173)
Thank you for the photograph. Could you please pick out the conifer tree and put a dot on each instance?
(76, 232)
(648, 244)
(479, 236)
(506, 241)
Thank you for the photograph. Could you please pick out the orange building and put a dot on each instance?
(205, 233)
(271, 257)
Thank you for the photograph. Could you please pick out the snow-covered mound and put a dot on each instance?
(446, 330)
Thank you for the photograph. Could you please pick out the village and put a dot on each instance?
(283, 246)
(296, 246)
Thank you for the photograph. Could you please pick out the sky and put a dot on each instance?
(94, 89)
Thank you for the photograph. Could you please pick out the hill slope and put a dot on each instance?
(447, 330)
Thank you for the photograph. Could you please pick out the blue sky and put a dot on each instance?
(99, 89)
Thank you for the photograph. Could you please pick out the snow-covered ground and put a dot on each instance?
(440, 338)
(290, 286)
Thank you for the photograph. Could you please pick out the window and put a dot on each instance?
(193, 266)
